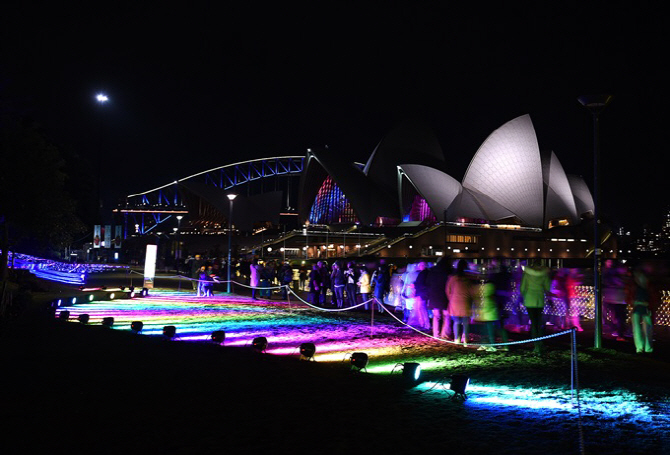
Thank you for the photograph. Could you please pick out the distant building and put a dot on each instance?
(514, 201)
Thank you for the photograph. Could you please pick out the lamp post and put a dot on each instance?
(306, 238)
(596, 104)
(101, 99)
(231, 198)
(177, 251)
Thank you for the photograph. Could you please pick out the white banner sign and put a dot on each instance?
(118, 236)
(150, 266)
(97, 236)
(107, 235)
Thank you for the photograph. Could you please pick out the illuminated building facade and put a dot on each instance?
(513, 201)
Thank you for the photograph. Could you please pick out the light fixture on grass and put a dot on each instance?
(259, 344)
(411, 371)
(64, 315)
(169, 331)
(136, 326)
(307, 351)
(83, 318)
(359, 360)
(218, 336)
(458, 384)
(108, 321)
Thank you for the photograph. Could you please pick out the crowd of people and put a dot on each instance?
(497, 297)
(526, 297)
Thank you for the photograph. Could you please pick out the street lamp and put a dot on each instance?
(306, 237)
(177, 252)
(596, 104)
(101, 99)
(231, 198)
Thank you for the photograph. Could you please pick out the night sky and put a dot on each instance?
(195, 87)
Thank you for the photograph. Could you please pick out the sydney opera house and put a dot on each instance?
(514, 201)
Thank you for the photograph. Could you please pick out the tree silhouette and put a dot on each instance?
(37, 215)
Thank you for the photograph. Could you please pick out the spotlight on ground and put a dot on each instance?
(91, 297)
(359, 360)
(259, 344)
(108, 321)
(136, 326)
(73, 300)
(64, 315)
(458, 384)
(112, 296)
(218, 336)
(144, 292)
(83, 318)
(169, 331)
(307, 351)
(411, 371)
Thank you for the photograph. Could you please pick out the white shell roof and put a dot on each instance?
(508, 169)
(436, 187)
(582, 195)
(560, 202)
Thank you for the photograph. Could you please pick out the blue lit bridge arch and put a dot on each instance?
(199, 195)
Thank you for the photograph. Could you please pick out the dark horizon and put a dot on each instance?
(199, 89)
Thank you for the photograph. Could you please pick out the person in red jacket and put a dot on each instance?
(460, 294)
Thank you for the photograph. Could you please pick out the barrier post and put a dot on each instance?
(372, 316)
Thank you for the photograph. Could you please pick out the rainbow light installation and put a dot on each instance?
(286, 326)
(61, 272)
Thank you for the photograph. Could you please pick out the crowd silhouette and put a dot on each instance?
(465, 301)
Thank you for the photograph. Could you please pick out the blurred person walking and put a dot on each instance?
(285, 276)
(314, 285)
(436, 298)
(642, 317)
(460, 293)
(614, 299)
(350, 284)
(364, 286)
(489, 315)
(382, 283)
(325, 282)
(338, 282)
(534, 285)
(255, 271)
(573, 280)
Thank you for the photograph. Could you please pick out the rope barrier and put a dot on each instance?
(328, 310)
(374, 299)
(574, 379)
(509, 343)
